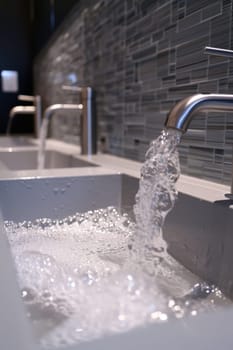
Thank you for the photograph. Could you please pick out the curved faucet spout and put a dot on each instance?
(22, 110)
(48, 113)
(35, 110)
(19, 110)
(57, 107)
(88, 134)
(183, 112)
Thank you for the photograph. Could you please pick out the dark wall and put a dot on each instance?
(25, 27)
(47, 16)
(62, 8)
(41, 26)
(141, 57)
(15, 39)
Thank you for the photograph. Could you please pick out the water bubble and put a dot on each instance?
(157, 193)
(27, 294)
(200, 291)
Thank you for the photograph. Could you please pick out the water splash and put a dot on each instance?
(156, 197)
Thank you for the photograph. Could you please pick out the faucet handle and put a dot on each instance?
(26, 98)
(218, 52)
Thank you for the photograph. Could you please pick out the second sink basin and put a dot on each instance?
(25, 160)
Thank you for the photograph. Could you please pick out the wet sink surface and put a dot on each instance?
(25, 160)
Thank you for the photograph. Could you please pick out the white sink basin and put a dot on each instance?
(198, 232)
(192, 231)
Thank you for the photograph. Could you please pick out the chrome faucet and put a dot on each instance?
(184, 111)
(35, 110)
(88, 118)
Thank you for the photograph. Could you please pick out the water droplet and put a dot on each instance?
(55, 190)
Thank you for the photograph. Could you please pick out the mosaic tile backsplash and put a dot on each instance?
(141, 57)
